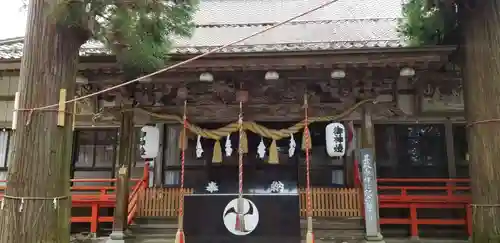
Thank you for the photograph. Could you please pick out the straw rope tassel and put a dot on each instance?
(179, 236)
(273, 153)
(217, 152)
(307, 135)
(240, 221)
(244, 142)
(183, 143)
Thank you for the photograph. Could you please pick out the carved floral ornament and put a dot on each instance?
(445, 89)
(446, 95)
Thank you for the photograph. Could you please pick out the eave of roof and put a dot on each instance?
(15, 49)
(365, 56)
(295, 36)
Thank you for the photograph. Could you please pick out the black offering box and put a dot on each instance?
(270, 216)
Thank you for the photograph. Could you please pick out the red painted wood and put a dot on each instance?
(96, 197)
(450, 196)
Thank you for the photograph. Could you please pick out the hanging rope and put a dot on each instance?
(240, 222)
(307, 136)
(179, 237)
(275, 134)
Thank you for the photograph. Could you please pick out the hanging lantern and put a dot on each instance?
(335, 135)
(150, 140)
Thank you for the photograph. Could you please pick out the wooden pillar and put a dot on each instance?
(450, 149)
(367, 130)
(349, 170)
(125, 159)
(349, 165)
(172, 151)
(158, 162)
(369, 178)
(120, 220)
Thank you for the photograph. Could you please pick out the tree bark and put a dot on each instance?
(482, 102)
(40, 161)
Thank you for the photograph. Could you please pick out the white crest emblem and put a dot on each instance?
(250, 216)
(277, 187)
(212, 187)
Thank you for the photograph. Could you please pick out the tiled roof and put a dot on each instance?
(343, 25)
(259, 11)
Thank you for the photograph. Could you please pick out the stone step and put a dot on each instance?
(155, 220)
(154, 241)
(155, 236)
(318, 223)
(326, 229)
(334, 223)
(320, 234)
(316, 241)
(333, 241)
(153, 226)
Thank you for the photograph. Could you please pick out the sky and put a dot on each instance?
(12, 19)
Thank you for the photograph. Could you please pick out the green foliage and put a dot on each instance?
(424, 23)
(139, 32)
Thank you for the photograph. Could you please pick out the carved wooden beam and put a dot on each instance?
(255, 76)
(88, 105)
(252, 112)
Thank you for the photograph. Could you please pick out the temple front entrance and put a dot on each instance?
(273, 189)
(270, 210)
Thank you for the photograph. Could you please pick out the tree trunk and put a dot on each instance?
(41, 153)
(482, 102)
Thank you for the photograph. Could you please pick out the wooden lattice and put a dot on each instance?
(327, 202)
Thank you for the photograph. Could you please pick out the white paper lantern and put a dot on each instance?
(150, 142)
(335, 135)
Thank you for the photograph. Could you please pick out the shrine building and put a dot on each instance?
(346, 63)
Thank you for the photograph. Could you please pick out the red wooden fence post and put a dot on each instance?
(146, 175)
(468, 219)
(449, 188)
(94, 218)
(413, 221)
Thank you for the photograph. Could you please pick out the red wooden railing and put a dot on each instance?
(435, 193)
(97, 197)
(139, 189)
